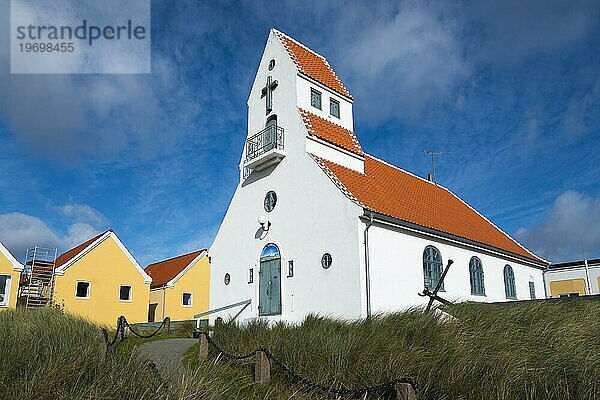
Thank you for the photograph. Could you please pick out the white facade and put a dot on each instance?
(312, 217)
(587, 271)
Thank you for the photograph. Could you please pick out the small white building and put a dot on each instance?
(316, 225)
(575, 278)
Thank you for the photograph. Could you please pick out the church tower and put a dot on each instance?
(293, 80)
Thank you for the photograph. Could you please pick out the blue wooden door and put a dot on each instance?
(269, 302)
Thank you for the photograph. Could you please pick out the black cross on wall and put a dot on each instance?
(268, 92)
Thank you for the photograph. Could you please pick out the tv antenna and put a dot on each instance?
(434, 153)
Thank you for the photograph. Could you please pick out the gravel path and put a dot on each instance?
(167, 355)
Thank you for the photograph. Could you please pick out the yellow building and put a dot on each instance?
(100, 280)
(573, 278)
(180, 287)
(10, 273)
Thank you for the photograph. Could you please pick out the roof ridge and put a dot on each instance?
(344, 90)
(461, 200)
(306, 115)
(179, 256)
(278, 32)
(336, 181)
(87, 243)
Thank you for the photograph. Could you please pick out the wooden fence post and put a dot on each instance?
(121, 328)
(168, 325)
(262, 368)
(405, 391)
(203, 349)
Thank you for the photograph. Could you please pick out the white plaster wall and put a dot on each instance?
(396, 270)
(327, 151)
(311, 217)
(574, 273)
(303, 89)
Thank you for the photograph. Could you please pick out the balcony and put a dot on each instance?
(264, 149)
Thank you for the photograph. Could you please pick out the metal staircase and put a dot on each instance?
(37, 283)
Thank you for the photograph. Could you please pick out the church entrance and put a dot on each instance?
(269, 292)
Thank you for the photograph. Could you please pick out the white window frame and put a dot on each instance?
(7, 287)
(191, 299)
(89, 290)
(130, 294)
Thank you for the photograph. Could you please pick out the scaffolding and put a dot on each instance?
(37, 283)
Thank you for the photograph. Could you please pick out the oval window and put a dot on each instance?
(326, 260)
(271, 64)
(270, 201)
(227, 279)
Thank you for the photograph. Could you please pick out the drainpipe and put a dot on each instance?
(544, 281)
(367, 274)
(587, 277)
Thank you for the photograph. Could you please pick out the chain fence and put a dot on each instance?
(309, 384)
(122, 323)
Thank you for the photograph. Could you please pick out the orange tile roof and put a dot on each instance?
(331, 132)
(312, 64)
(69, 254)
(163, 271)
(391, 191)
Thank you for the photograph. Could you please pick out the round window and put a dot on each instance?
(271, 65)
(270, 201)
(326, 260)
(227, 279)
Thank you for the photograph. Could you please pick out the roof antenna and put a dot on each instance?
(433, 153)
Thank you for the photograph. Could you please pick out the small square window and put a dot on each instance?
(315, 98)
(83, 290)
(187, 300)
(125, 293)
(334, 108)
(290, 268)
(251, 275)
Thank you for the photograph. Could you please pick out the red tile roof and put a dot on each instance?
(389, 190)
(69, 254)
(331, 132)
(312, 64)
(163, 271)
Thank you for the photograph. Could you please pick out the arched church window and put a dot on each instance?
(476, 277)
(509, 283)
(432, 267)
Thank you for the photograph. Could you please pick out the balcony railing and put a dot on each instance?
(270, 138)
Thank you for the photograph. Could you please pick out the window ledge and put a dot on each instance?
(479, 294)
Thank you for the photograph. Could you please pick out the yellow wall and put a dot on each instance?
(567, 286)
(106, 267)
(196, 281)
(6, 268)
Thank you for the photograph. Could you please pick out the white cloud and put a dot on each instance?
(83, 213)
(409, 60)
(20, 232)
(131, 114)
(569, 230)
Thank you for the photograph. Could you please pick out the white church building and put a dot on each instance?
(316, 225)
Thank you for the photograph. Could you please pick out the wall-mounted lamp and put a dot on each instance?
(265, 224)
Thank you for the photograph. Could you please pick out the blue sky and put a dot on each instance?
(512, 88)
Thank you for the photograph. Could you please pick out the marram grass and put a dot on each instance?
(490, 352)
(46, 354)
(531, 350)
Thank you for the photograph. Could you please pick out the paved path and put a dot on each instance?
(167, 354)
